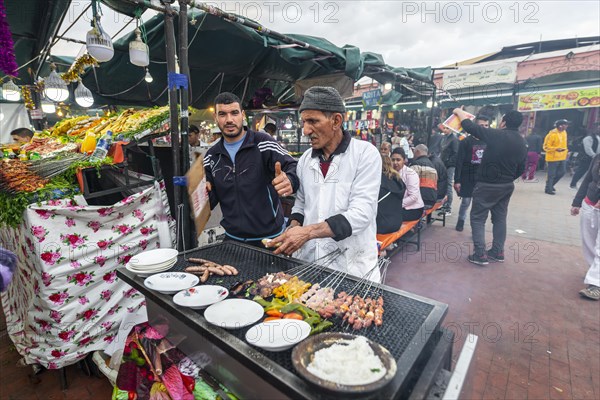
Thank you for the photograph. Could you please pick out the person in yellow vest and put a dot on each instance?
(555, 146)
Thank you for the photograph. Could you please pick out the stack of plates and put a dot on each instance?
(152, 261)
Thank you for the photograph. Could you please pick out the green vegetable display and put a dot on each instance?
(64, 186)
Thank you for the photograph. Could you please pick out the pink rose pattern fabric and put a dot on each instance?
(66, 299)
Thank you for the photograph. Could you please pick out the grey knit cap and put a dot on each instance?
(322, 98)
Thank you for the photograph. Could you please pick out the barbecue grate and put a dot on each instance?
(403, 317)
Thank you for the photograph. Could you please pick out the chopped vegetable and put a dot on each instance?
(321, 327)
(276, 304)
(293, 315)
(271, 319)
(274, 313)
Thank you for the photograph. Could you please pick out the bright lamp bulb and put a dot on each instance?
(99, 43)
(83, 96)
(10, 91)
(148, 78)
(48, 107)
(55, 87)
(387, 86)
(138, 51)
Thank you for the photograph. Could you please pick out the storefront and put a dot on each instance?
(580, 106)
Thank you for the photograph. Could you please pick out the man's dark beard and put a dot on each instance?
(232, 135)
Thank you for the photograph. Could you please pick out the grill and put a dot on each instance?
(408, 321)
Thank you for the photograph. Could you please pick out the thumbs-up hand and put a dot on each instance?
(282, 184)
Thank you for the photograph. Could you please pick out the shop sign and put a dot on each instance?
(480, 76)
(563, 99)
(371, 98)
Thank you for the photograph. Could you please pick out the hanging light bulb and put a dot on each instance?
(48, 106)
(10, 91)
(148, 78)
(387, 86)
(83, 96)
(55, 87)
(288, 123)
(138, 50)
(99, 43)
(59, 112)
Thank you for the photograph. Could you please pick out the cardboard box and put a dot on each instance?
(199, 202)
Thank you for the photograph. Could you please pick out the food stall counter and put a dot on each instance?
(410, 330)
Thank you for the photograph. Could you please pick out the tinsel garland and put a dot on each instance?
(8, 61)
(72, 75)
(26, 94)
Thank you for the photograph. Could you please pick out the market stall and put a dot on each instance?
(65, 300)
(410, 331)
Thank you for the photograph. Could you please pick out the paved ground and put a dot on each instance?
(537, 338)
(19, 383)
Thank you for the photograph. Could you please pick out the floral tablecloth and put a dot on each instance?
(65, 300)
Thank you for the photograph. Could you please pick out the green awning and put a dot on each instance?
(225, 56)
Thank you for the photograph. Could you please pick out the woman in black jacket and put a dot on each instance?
(391, 194)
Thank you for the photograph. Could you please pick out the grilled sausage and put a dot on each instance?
(216, 270)
(195, 269)
(205, 275)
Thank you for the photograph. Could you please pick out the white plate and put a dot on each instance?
(171, 282)
(153, 257)
(278, 335)
(146, 273)
(146, 267)
(200, 296)
(234, 313)
(151, 268)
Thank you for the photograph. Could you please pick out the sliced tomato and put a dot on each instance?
(271, 319)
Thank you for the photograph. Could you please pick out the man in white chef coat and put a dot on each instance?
(336, 204)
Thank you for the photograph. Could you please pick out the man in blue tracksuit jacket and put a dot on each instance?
(246, 172)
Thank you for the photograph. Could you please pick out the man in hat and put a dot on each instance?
(555, 146)
(246, 173)
(215, 136)
(336, 203)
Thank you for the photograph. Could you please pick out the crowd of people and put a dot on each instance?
(346, 191)
(481, 167)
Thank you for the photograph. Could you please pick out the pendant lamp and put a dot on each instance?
(148, 78)
(55, 87)
(99, 43)
(48, 106)
(10, 91)
(138, 50)
(83, 96)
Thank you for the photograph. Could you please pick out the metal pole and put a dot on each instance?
(184, 68)
(430, 121)
(174, 120)
(433, 94)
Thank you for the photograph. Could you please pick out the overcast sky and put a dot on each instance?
(406, 33)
